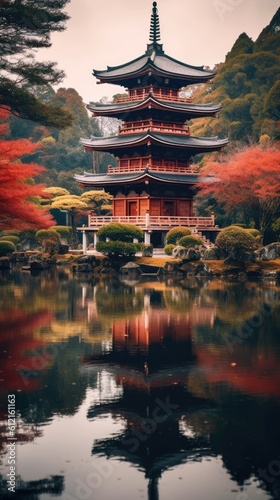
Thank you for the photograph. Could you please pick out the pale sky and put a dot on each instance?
(107, 32)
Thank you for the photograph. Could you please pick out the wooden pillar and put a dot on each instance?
(84, 241)
(147, 222)
(147, 237)
(95, 238)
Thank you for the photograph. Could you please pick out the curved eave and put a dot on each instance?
(135, 178)
(194, 144)
(159, 65)
(187, 109)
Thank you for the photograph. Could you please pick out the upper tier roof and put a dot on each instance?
(186, 109)
(154, 66)
(157, 68)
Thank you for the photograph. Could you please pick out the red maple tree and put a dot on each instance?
(18, 207)
(248, 180)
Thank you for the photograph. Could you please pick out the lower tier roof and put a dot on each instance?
(89, 179)
(192, 145)
(186, 109)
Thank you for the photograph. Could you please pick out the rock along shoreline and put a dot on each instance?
(139, 267)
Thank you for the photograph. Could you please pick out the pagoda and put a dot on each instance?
(153, 183)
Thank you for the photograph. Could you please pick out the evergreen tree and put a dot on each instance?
(26, 26)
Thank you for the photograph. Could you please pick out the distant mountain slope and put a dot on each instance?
(248, 85)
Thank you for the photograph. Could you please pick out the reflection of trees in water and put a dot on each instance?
(164, 343)
(117, 301)
(179, 300)
(25, 433)
(237, 302)
(31, 490)
(220, 409)
(20, 351)
(63, 386)
(244, 431)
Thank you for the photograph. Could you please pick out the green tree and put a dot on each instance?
(190, 241)
(116, 231)
(26, 26)
(74, 206)
(98, 201)
(49, 239)
(60, 198)
(176, 233)
(235, 240)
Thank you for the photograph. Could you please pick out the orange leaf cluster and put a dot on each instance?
(248, 176)
(17, 210)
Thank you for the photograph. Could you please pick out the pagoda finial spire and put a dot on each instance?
(154, 27)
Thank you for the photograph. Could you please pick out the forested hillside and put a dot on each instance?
(248, 86)
(61, 152)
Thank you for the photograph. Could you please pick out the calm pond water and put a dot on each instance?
(139, 391)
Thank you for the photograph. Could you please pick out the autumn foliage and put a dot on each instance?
(18, 193)
(248, 180)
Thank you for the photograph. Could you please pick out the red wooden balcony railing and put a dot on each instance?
(152, 222)
(129, 168)
(158, 93)
(153, 126)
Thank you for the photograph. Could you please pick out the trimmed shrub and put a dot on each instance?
(47, 234)
(11, 237)
(190, 241)
(276, 228)
(6, 248)
(118, 248)
(254, 232)
(65, 232)
(28, 239)
(168, 249)
(10, 232)
(116, 231)
(235, 241)
(49, 240)
(173, 236)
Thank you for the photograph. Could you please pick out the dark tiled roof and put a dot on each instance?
(172, 140)
(189, 109)
(159, 64)
(103, 179)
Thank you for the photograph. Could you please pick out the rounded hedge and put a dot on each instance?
(190, 241)
(168, 249)
(234, 239)
(11, 237)
(116, 231)
(173, 236)
(47, 234)
(6, 248)
(64, 231)
(118, 248)
(10, 232)
(256, 233)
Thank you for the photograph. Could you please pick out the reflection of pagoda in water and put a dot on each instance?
(150, 359)
(179, 396)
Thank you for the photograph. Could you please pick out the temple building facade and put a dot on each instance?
(153, 183)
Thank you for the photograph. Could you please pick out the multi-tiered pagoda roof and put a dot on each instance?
(153, 146)
(153, 80)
